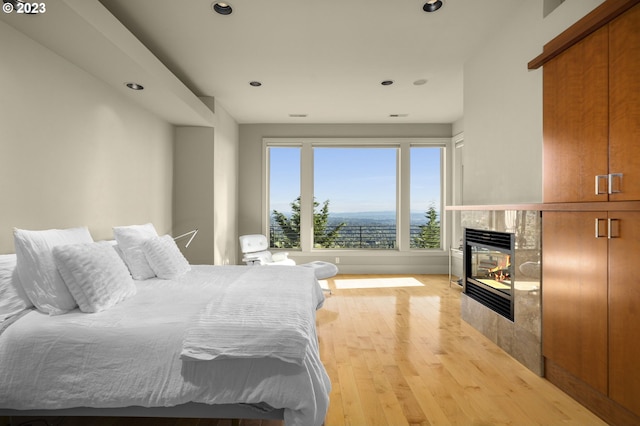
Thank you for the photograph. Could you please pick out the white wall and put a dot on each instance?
(226, 162)
(193, 174)
(72, 151)
(206, 188)
(250, 191)
(503, 106)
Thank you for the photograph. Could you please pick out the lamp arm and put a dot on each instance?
(192, 233)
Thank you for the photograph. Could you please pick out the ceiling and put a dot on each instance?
(321, 58)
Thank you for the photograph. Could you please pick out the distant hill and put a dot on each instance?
(373, 218)
(386, 218)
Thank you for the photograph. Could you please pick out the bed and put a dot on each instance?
(214, 341)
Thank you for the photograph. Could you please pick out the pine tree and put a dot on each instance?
(430, 232)
(290, 227)
(322, 235)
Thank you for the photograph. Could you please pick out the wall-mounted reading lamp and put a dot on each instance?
(186, 234)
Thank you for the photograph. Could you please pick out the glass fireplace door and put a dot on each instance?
(491, 267)
(488, 259)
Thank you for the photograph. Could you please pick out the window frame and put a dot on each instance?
(403, 187)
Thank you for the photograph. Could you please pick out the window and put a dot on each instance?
(425, 197)
(358, 187)
(354, 194)
(284, 197)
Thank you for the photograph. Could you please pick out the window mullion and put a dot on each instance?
(404, 202)
(306, 197)
(266, 213)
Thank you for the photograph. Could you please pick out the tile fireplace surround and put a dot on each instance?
(521, 338)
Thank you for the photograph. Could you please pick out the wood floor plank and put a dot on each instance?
(386, 398)
(352, 406)
(410, 406)
(432, 409)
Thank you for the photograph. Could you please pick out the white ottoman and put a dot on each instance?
(323, 270)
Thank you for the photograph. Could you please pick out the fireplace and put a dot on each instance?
(489, 277)
(493, 235)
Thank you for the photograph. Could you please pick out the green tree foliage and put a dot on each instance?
(322, 234)
(430, 232)
(290, 227)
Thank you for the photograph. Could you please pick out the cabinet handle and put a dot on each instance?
(607, 183)
(617, 178)
(598, 234)
(613, 228)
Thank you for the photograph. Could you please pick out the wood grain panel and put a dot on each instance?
(624, 312)
(575, 121)
(594, 20)
(617, 205)
(624, 103)
(574, 295)
(613, 413)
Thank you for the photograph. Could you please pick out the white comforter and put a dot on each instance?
(129, 355)
(260, 323)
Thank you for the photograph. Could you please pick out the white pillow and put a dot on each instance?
(37, 269)
(130, 240)
(165, 257)
(115, 246)
(95, 275)
(13, 299)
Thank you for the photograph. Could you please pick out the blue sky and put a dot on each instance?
(356, 179)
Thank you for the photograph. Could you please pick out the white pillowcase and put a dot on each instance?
(130, 240)
(95, 275)
(37, 269)
(165, 257)
(13, 299)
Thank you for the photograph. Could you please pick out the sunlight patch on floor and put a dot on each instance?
(352, 283)
(324, 284)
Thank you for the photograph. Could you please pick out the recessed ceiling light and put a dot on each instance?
(432, 5)
(134, 86)
(386, 82)
(420, 82)
(222, 8)
(255, 83)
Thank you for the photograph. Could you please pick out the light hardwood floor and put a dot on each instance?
(399, 354)
(403, 356)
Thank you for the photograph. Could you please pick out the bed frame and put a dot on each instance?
(188, 410)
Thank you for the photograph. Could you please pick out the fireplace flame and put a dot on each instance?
(501, 271)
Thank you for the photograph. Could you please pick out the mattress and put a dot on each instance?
(130, 354)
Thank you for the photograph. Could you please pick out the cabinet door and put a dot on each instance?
(624, 312)
(576, 121)
(624, 107)
(574, 295)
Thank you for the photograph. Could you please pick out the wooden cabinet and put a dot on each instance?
(591, 300)
(591, 116)
(574, 296)
(591, 244)
(624, 103)
(624, 312)
(575, 121)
